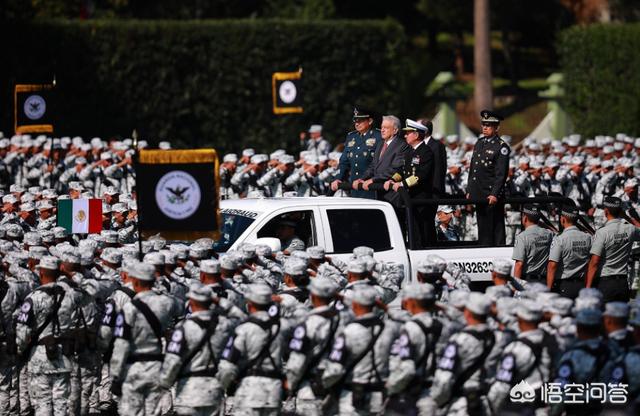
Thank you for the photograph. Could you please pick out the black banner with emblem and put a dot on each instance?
(178, 194)
(34, 108)
(287, 92)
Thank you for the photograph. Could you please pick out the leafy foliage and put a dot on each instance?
(602, 82)
(205, 83)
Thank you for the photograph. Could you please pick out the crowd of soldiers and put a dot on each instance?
(97, 324)
(585, 171)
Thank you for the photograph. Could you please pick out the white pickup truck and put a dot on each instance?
(340, 225)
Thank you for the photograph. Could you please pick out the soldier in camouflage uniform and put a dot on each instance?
(530, 357)
(309, 346)
(459, 381)
(137, 349)
(45, 324)
(252, 358)
(353, 370)
(192, 356)
(412, 354)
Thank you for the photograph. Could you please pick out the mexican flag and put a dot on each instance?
(80, 216)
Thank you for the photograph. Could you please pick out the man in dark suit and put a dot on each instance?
(439, 171)
(487, 175)
(387, 159)
(416, 176)
(439, 161)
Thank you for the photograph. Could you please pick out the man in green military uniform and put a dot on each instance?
(358, 152)
(487, 176)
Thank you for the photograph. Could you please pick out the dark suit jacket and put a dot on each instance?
(439, 165)
(417, 162)
(381, 169)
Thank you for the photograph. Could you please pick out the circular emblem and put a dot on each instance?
(81, 216)
(177, 336)
(108, 309)
(288, 92)
(404, 340)
(617, 374)
(507, 363)
(450, 351)
(120, 320)
(35, 107)
(26, 307)
(299, 332)
(273, 311)
(339, 343)
(564, 371)
(178, 195)
(504, 151)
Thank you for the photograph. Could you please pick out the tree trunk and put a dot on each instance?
(483, 93)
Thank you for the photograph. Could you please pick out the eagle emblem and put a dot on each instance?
(177, 195)
(81, 216)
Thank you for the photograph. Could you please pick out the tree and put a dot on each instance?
(483, 92)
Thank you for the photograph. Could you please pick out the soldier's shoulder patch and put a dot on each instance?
(121, 328)
(449, 357)
(298, 341)
(177, 343)
(337, 351)
(504, 150)
(26, 313)
(230, 352)
(506, 368)
(108, 319)
(617, 374)
(402, 346)
(565, 372)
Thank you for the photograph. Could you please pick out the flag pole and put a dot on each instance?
(49, 160)
(136, 157)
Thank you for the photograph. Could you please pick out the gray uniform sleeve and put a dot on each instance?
(597, 248)
(555, 254)
(519, 248)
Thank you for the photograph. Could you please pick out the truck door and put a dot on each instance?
(347, 228)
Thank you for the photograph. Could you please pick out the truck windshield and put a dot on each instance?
(232, 227)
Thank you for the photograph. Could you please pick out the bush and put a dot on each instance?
(602, 81)
(204, 83)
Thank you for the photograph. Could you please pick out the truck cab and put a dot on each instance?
(340, 225)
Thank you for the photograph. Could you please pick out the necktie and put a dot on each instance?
(384, 149)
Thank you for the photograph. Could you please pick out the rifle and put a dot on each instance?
(584, 225)
(548, 223)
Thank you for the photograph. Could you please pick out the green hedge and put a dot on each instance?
(601, 66)
(204, 83)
